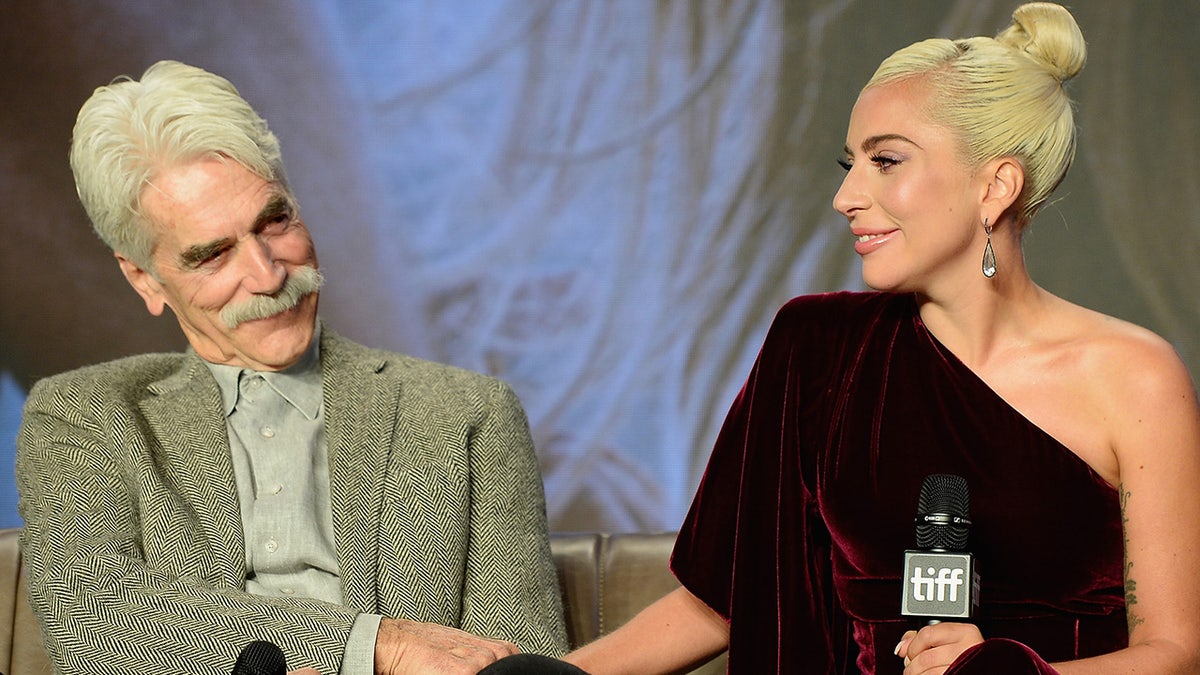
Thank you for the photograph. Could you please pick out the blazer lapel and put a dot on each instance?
(192, 453)
(360, 413)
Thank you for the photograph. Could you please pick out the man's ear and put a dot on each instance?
(1004, 179)
(144, 283)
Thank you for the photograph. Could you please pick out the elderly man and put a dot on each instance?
(365, 511)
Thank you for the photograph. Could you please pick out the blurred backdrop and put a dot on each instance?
(601, 202)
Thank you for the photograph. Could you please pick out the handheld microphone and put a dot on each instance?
(940, 580)
(260, 658)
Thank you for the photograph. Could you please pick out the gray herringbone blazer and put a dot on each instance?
(133, 535)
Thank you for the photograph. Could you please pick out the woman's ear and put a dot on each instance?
(144, 283)
(1004, 179)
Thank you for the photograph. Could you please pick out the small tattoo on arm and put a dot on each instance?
(1131, 616)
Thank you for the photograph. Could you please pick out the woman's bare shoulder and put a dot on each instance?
(1106, 387)
(1115, 349)
(1138, 384)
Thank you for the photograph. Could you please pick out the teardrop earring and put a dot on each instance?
(989, 256)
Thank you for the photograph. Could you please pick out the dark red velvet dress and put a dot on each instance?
(797, 532)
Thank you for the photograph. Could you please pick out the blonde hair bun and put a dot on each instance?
(1048, 34)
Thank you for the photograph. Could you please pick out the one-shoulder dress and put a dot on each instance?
(797, 532)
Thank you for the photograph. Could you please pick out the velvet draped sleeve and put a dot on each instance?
(797, 532)
(755, 518)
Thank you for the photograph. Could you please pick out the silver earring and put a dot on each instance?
(989, 256)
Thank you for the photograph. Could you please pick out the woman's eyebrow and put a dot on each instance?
(873, 141)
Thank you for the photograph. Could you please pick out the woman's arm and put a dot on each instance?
(1155, 420)
(676, 633)
(1138, 391)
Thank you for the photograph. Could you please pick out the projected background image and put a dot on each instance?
(602, 203)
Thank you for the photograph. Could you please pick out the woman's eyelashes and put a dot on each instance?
(883, 162)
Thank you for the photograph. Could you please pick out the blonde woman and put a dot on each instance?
(1077, 433)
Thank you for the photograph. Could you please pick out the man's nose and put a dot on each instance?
(263, 274)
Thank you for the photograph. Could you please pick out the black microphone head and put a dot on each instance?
(260, 658)
(943, 513)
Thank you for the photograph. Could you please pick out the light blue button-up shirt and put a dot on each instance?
(281, 467)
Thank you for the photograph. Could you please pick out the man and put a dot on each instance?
(366, 511)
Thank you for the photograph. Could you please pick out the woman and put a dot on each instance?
(1077, 433)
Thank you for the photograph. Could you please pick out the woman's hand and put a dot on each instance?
(931, 650)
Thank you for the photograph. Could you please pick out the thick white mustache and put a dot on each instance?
(301, 282)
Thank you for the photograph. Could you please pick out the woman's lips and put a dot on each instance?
(871, 241)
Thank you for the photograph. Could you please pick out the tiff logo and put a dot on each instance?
(939, 585)
(934, 586)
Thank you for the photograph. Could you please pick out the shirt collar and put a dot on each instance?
(300, 384)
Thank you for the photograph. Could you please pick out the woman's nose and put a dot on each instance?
(850, 196)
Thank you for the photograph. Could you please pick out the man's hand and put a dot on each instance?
(405, 647)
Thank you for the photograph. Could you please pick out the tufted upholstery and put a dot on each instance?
(605, 579)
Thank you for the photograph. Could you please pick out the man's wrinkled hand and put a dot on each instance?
(405, 647)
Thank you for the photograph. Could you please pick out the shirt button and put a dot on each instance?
(288, 591)
(267, 432)
(276, 489)
(272, 546)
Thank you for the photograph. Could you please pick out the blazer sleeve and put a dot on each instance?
(511, 587)
(108, 599)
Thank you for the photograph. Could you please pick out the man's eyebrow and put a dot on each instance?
(874, 141)
(275, 207)
(192, 256)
